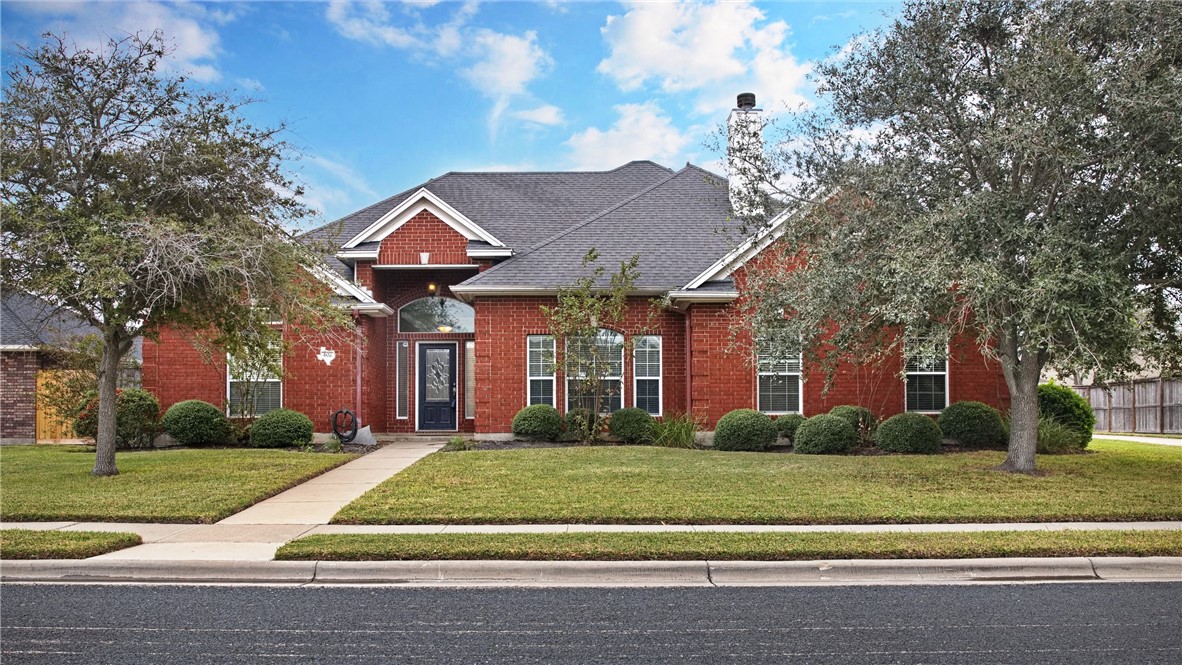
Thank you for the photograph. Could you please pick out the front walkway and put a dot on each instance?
(257, 532)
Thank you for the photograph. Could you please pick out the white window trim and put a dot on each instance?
(419, 370)
(660, 378)
(947, 372)
(567, 377)
(799, 374)
(552, 377)
(229, 380)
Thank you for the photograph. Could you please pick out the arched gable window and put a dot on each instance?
(436, 315)
(600, 357)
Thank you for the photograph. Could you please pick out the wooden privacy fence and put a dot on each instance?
(1147, 406)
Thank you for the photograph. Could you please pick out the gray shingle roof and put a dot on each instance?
(516, 208)
(30, 321)
(676, 226)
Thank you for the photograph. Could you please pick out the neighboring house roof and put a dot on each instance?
(29, 321)
(676, 226)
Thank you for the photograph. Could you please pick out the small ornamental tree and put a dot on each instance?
(139, 202)
(1001, 170)
(592, 340)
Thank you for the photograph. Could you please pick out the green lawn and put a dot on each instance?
(732, 546)
(49, 483)
(604, 485)
(26, 544)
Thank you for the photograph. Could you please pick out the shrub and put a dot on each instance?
(910, 433)
(538, 421)
(786, 425)
(859, 417)
(825, 434)
(196, 423)
(1055, 438)
(678, 431)
(136, 412)
(973, 424)
(1068, 408)
(631, 426)
(583, 424)
(281, 428)
(744, 429)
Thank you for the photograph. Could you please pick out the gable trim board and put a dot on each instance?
(416, 203)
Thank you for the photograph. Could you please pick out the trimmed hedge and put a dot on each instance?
(136, 411)
(825, 434)
(1067, 408)
(857, 416)
(786, 425)
(281, 428)
(973, 424)
(196, 423)
(538, 421)
(744, 429)
(910, 433)
(631, 426)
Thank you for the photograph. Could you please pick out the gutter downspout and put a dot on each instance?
(357, 353)
(689, 372)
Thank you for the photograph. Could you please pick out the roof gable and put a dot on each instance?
(422, 200)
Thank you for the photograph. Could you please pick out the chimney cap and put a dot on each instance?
(746, 101)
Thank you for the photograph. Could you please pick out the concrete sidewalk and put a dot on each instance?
(1156, 440)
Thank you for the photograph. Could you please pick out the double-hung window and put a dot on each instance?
(646, 372)
(540, 375)
(591, 362)
(251, 388)
(927, 378)
(779, 381)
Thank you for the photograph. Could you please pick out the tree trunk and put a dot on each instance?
(104, 449)
(1023, 385)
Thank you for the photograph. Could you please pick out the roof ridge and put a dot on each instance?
(575, 227)
(558, 172)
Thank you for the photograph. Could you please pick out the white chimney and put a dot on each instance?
(744, 151)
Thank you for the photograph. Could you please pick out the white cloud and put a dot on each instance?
(714, 50)
(642, 131)
(546, 114)
(499, 65)
(849, 13)
(253, 85)
(189, 27)
(505, 64)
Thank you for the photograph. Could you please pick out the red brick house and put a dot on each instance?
(446, 280)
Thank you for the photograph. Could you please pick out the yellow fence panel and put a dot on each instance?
(51, 428)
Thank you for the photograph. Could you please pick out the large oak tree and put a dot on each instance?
(139, 201)
(1007, 169)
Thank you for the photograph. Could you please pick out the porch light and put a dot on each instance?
(444, 329)
(432, 288)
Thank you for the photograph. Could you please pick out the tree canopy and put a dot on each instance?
(1007, 169)
(139, 202)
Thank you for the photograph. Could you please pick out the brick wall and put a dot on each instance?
(502, 326)
(174, 370)
(316, 389)
(423, 233)
(18, 396)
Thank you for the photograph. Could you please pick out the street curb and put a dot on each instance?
(600, 573)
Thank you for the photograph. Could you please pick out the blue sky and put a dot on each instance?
(382, 96)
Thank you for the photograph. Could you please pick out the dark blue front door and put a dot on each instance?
(437, 386)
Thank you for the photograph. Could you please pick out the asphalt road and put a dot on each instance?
(1045, 623)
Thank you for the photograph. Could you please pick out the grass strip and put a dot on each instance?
(1115, 481)
(27, 544)
(731, 546)
(53, 483)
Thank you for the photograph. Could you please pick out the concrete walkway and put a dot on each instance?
(257, 532)
(1159, 440)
